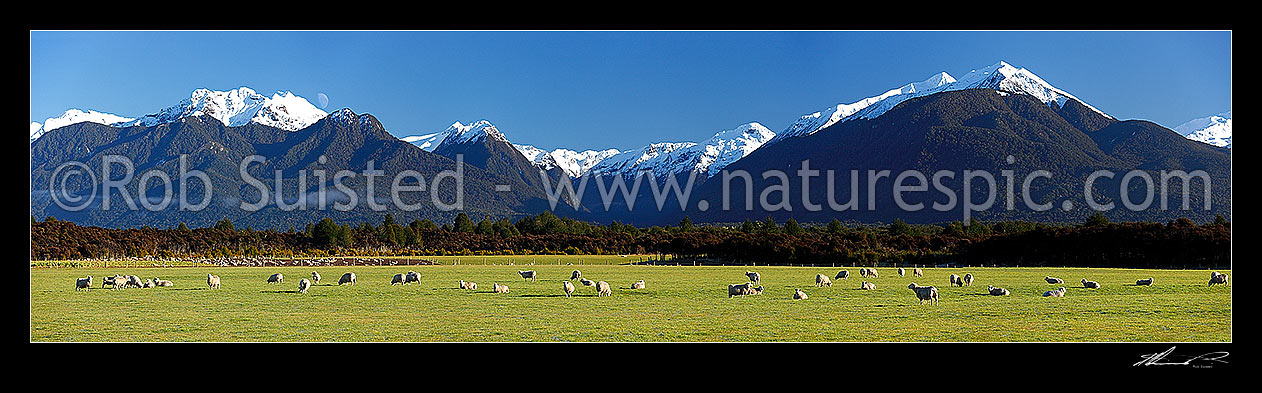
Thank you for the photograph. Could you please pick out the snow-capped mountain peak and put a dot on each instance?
(74, 116)
(479, 130)
(574, 163)
(1000, 76)
(238, 107)
(706, 158)
(1214, 130)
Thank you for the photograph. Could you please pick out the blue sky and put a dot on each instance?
(587, 90)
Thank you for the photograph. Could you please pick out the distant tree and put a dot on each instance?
(463, 223)
(791, 227)
(225, 225)
(898, 227)
(183, 228)
(834, 226)
(326, 233)
(769, 225)
(1220, 221)
(485, 227)
(748, 226)
(685, 225)
(1096, 219)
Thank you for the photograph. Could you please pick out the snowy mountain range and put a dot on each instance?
(1000, 76)
(1214, 130)
(234, 108)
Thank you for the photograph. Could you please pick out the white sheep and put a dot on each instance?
(753, 277)
(586, 282)
(412, 277)
(756, 290)
(527, 275)
(396, 279)
(956, 280)
(467, 285)
(348, 278)
(872, 273)
(1217, 278)
(603, 289)
(212, 281)
(968, 279)
(134, 281)
(497, 288)
(901, 272)
(162, 283)
(635, 285)
(738, 289)
(568, 287)
(1090, 284)
(917, 272)
(822, 281)
(863, 272)
(924, 293)
(996, 291)
(575, 275)
(867, 286)
(1055, 293)
(798, 294)
(83, 283)
(315, 277)
(148, 284)
(276, 278)
(1053, 280)
(1144, 282)
(303, 285)
(842, 275)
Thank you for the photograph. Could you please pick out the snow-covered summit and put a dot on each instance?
(574, 163)
(74, 116)
(238, 107)
(706, 158)
(1214, 130)
(479, 130)
(1000, 76)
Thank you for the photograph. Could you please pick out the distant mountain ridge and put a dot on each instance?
(1214, 130)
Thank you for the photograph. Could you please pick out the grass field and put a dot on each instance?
(680, 303)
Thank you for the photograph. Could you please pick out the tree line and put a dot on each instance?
(1095, 242)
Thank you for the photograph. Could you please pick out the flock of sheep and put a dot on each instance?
(602, 288)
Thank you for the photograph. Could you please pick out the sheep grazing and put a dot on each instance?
(842, 275)
(575, 275)
(276, 278)
(1053, 280)
(468, 285)
(872, 273)
(1144, 282)
(753, 277)
(1055, 293)
(315, 277)
(798, 294)
(499, 288)
(924, 293)
(108, 281)
(1090, 284)
(917, 272)
(901, 272)
(568, 287)
(996, 291)
(303, 285)
(867, 286)
(586, 282)
(602, 289)
(956, 280)
(348, 278)
(162, 283)
(412, 277)
(397, 279)
(528, 275)
(83, 283)
(635, 285)
(822, 281)
(133, 281)
(148, 284)
(756, 290)
(738, 289)
(212, 281)
(968, 279)
(1217, 278)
